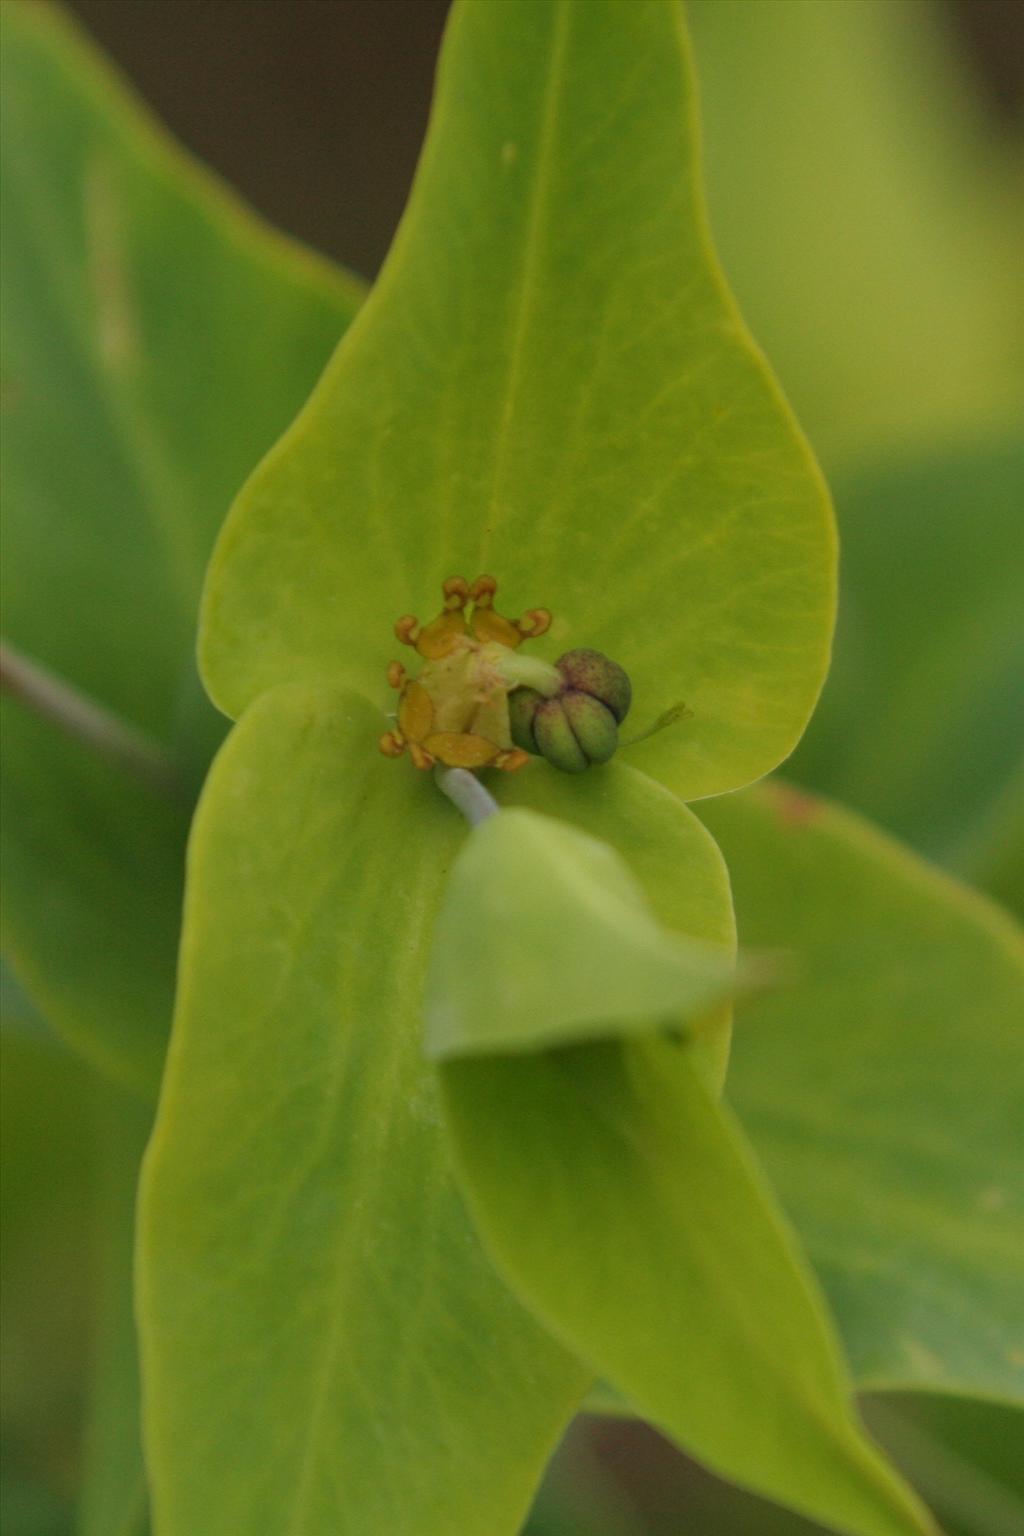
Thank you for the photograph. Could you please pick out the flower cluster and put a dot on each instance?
(477, 703)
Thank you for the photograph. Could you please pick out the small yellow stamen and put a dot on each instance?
(461, 749)
(440, 637)
(455, 712)
(455, 591)
(489, 626)
(511, 762)
(534, 623)
(415, 712)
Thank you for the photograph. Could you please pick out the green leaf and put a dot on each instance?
(962, 1455)
(622, 1204)
(617, 1200)
(156, 340)
(92, 896)
(71, 1151)
(998, 863)
(17, 1015)
(550, 382)
(113, 1499)
(44, 1277)
(965, 1455)
(892, 306)
(325, 1345)
(883, 1088)
(914, 725)
(545, 938)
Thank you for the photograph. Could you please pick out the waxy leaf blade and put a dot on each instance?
(622, 1204)
(536, 911)
(920, 725)
(884, 1088)
(44, 1267)
(619, 1202)
(325, 1344)
(92, 870)
(550, 382)
(964, 1453)
(156, 340)
(114, 1495)
(678, 865)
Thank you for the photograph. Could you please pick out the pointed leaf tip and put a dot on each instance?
(620, 1202)
(550, 382)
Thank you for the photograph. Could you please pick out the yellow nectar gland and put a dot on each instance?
(455, 712)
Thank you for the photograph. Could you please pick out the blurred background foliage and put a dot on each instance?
(864, 170)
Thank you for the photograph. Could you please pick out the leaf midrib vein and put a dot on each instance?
(343, 1245)
(525, 298)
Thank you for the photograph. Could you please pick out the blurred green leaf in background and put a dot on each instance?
(156, 341)
(868, 219)
(137, 300)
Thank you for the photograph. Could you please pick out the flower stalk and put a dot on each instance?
(466, 793)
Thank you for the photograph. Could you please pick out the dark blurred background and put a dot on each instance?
(315, 109)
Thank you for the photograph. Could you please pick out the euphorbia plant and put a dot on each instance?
(440, 1149)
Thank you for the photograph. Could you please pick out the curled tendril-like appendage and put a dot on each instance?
(477, 702)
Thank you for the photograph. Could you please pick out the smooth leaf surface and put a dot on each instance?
(884, 1088)
(964, 1453)
(92, 870)
(622, 1204)
(549, 382)
(17, 1014)
(156, 340)
(325, 1344)
(998, 864)
(44, 1275)
(113, 1498)
(892, 307)
(70, 1157)
(919, 725)
(299, 1153)
(545, 938)
(682, 875)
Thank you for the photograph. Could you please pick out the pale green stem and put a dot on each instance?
(528, 672)
(466, 792)
(81, 717)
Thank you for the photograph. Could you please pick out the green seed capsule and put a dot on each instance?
(572, 730)
(522, 706)
(579, 725)
(587, 671)
(555, 737)
(593, 725)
